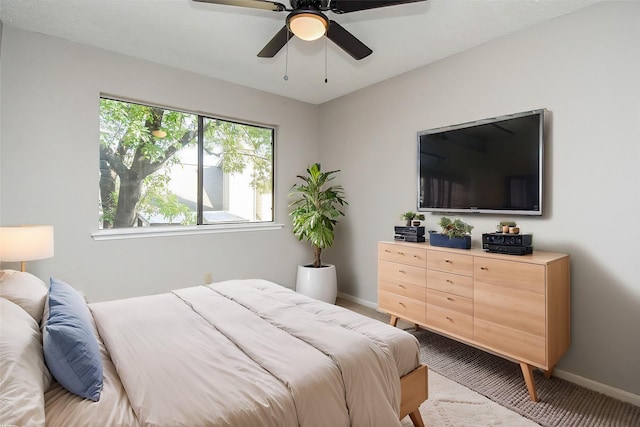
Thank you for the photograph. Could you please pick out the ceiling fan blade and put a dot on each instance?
(347, 41)
(276, 43)
(254, 4)
(346, 6)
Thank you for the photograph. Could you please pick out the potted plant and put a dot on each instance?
(314, 213)
(454, 234)
(412, 218)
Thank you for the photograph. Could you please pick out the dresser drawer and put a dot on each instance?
(450, 262)
(401, 306)
(402, 254)
(450, 283)
(402, 273)
(510, 275)
(511, 308)
(514, 343)
(450, 302)
(406, 289)
(450, 321)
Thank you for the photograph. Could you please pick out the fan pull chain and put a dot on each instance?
(286, 60)
(326, 44)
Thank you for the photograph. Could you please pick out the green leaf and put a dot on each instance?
(314, 207)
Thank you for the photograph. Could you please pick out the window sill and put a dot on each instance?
(146, 232)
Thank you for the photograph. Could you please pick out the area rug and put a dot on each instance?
(561, 403)
(453, 405)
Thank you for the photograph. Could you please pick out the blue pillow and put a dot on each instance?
(70, 347)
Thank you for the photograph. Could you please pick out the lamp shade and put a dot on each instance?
(26, 242)
(308, 25)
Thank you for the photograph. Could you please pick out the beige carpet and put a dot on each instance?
(453, 405)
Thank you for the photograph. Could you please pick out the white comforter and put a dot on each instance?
(252, 353)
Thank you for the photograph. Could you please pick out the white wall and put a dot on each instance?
(49, 167)
(584, 68)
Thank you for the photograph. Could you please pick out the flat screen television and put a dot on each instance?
(487, 166)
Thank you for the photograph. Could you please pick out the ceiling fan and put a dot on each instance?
(307, 21)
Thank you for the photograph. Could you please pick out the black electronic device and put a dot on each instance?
(409, 234)
(507, 250)
(487, 166)
(408, 230)
(409, 238)
(505, 239)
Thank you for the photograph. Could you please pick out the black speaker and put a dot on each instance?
(409, 231)
(508, 250)
(504, 239)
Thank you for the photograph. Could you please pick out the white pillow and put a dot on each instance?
(23, 375)
(25, 290)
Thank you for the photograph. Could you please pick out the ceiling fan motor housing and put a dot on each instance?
(316, 4)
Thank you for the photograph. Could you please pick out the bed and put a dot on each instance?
(234, 353)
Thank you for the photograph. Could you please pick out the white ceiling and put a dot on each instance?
(222, 41)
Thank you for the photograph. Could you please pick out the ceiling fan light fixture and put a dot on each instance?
(308, 25)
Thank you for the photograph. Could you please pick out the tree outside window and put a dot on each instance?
(166, 167)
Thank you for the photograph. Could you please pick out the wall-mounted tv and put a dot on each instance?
(487, 166)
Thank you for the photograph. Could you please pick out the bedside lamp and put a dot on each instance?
(26, 243)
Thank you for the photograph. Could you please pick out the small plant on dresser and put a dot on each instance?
(454, 234)
(412, 218)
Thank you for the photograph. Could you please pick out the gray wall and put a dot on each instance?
(49, 170)
(584, 68)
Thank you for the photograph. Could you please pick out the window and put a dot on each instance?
(165, 167)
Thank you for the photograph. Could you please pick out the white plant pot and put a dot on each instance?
(318, 283)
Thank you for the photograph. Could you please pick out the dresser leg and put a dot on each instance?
(394, 321)
(416, 418)
(527, 372)
(547, 374)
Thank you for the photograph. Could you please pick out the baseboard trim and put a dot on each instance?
(608, 390)
(360, 301)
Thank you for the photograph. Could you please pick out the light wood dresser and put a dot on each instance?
(517, 307)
